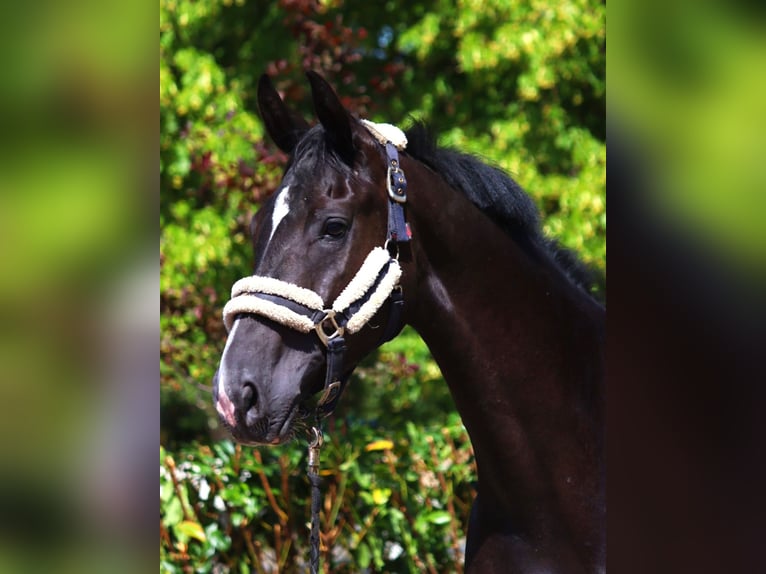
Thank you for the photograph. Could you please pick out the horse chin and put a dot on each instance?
(279, 431)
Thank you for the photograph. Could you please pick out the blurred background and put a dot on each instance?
(78, 284)
(521, 84)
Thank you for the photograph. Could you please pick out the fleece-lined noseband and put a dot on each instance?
(376, 282)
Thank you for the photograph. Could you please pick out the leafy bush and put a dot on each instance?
(397, 503)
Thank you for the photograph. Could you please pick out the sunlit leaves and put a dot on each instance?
(380, 444)
(531, 74)
(385, 507)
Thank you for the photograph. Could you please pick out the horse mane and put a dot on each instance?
(488, 187)
(498, 196)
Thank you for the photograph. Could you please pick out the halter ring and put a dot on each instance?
(317, 440)
(393, 249)
(324, 335)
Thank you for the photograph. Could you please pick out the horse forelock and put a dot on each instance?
(314, 152)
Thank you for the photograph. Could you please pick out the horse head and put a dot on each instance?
(325, 269)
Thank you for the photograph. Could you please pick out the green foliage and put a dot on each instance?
(521, 84)
(397, 504)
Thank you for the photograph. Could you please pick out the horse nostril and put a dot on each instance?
(249, 397)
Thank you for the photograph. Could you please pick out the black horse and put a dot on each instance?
(458, 255)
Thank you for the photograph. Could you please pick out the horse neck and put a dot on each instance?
(519, 347)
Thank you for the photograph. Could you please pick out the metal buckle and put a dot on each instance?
(398, 193)
(315, 444)
(337, 330)
(329, 393)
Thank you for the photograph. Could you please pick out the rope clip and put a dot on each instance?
(315, 445)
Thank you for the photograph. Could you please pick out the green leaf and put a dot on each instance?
(192, 530)
(439, 517)
(218, 539)
(166, 491)
(173, 513)
(363, 555)
(380, 496)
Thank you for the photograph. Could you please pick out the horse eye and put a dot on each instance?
(335, 228)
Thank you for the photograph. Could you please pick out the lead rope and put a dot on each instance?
(315, 445)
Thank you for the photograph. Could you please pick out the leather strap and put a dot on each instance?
(394, 324)
(398, 229)
(335, 379)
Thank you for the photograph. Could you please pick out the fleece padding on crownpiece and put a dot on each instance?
(387, 133)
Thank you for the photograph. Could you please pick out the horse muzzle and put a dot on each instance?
(252, 413)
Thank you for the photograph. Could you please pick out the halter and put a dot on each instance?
(376, 282)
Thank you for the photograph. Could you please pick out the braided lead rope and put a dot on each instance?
(315, 445)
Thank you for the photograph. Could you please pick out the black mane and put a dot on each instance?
(497, 195)
(488, 187)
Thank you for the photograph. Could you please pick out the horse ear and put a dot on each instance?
(283, 126)
(332, 115)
